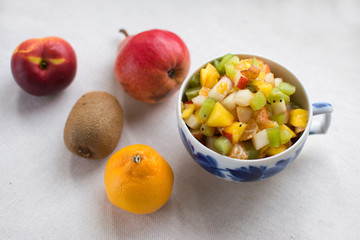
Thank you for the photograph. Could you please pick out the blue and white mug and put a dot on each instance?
(256, 169)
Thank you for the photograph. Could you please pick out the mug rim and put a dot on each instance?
(293, 147)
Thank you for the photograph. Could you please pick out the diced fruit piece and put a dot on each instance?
(260, 139)
(192, 122)
(258, 101)
(207, 131)
(261, 76)
(252, 85)
(216, 63)
(250, 131)
(269, 78)
(229, 102)
(265, 88)
(287, 88)
(279, 118)
(197, 134)
(196, 113)
(262, 152)
(234, 131)
(230, 67)
(230, 70)
(204, 91)
(250, 149)
(266, 68)
(255, 62)
(262, 115)
(221, 89)
(219, 116)
(241, 82)
(206, 108)
(243, 97)
(268, 124)
(251, 73)
(234, 60)
(222, 145)
(209, 76)
(238, 151)
(247, 63)
(195, 80)
(298, 117)
(285, 134)
(278, 107)
(236, 76)
(244, 114)
(275, 95)
(277, 81)
(188, 110)
(198, 100)
(223, 61)
(271, 151)
(209, 142)
(274, 136)
(192, 92)
(299, 129)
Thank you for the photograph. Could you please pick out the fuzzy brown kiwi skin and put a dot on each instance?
(94, 126)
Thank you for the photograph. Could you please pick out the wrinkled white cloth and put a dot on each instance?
(47, 193)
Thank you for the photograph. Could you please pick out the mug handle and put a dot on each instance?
(320, 126)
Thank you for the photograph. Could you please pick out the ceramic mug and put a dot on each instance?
(256, 169)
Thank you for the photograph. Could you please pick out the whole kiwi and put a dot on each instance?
(93, 128)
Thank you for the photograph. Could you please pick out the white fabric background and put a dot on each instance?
(47, 193)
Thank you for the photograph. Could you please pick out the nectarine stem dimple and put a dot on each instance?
(124, 32)
(136, 158)
(43, 64)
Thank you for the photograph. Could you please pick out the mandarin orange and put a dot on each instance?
(138, 179)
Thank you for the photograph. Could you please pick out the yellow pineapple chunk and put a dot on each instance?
(261, 75)
(283, 127)
(197, 115)
(234, 131)
(188, 110)
(209, 76)
(299, 117)
(265, 88)
(271, 151)
(219, 117)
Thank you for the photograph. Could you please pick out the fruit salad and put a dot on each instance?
(238, 108)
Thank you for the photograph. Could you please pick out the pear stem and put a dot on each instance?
(124, 32)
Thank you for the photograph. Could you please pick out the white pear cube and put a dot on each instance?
(243, 97)
(260, 139)
(199, 100)
(278, 107)
(277, 81)
(229, 102)
(221, 89)
(244, 114)
(192, 122)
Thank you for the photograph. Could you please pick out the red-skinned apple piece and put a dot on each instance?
(151, 65)
(44, 66)
(243, 81)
